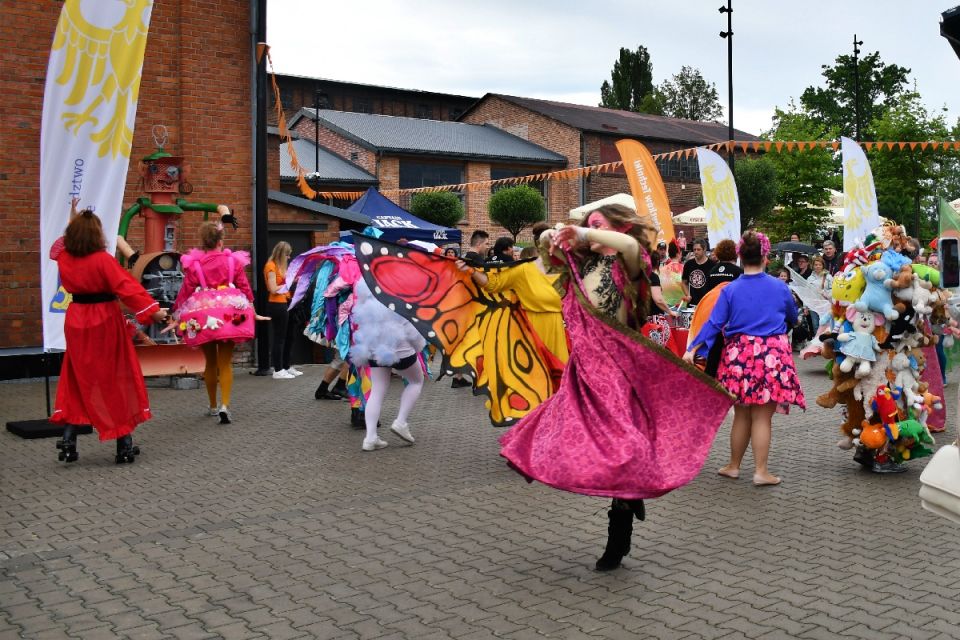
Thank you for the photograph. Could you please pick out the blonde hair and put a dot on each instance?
(281, 253)
(210, 235)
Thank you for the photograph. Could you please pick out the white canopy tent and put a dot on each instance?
(623, 199)
(696, 217)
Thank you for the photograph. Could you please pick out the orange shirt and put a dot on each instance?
(280, 275)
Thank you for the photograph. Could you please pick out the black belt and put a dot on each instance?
(93, 298)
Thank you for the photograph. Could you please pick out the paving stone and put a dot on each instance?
(311, 538)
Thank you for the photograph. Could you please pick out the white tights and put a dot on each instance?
(380, 382)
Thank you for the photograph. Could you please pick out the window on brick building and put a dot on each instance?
(362, 105)
(679, 168)
(424, 111)
(609, 153)
(414, 173)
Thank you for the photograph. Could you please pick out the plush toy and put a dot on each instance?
(899, 328)
(848, 286)
(871, 435)
(930, 404)
(906, 379)
(927, 274)
(923, 297)
(859, 256)
(843, 392)
(910, 438)
(876, 296)
(951, 331)
(885, 405)
(901, 285)
(860, 346)
(895, 261)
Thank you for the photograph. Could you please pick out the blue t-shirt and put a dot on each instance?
(755, 305)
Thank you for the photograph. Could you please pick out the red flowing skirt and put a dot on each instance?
(100, 382)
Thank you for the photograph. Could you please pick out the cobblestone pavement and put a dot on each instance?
(278, 526)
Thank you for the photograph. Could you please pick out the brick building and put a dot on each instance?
(198, 78)
(402, 153)
(586, 136)
(298, 92)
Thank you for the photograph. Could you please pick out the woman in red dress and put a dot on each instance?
(100, 382)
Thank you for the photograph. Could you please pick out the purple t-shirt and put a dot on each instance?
(755, 305)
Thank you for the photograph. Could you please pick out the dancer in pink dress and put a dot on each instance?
(630, 420)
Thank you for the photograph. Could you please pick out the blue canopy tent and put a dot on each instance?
(396, 222)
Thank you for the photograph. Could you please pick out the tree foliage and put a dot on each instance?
(516, 208)
(439, 207)
(689, 95)
(906, 180)
(804, 179)
(833, 105)
(630, 87)
(756, 188)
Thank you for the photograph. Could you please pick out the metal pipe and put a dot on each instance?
(728, 34)
(260, 241)
(856, 86)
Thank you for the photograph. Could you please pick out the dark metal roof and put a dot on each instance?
(331, 167)
(316, 207)
(392, 134)
(311, 79)
(624, 123)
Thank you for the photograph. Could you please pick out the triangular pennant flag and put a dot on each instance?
(901, 145)
(790, 145)
(744, 146)
(835, 145)
(779, 145)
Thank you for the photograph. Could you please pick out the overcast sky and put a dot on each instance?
(563, 50)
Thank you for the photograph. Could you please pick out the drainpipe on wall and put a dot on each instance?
(583, 179)
(261, 247)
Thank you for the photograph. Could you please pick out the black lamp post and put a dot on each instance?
(856, 85)
(728, 34)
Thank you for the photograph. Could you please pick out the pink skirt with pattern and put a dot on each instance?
(758, 370)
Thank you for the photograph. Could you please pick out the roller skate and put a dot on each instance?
(68, 445)
(126, 450)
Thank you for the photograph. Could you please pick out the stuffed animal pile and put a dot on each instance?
(881, 320)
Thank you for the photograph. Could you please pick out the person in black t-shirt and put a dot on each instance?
(695, 273)
(479, 243)
(725, 269)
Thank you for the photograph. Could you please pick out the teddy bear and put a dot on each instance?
(859, 346)
(899, 328)
(906, 380)
(923, 298)
(876, 296)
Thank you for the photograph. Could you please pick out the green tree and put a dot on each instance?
(516, 208)
(756, 189)
(804, 179)
(439, 207)
(630, 87)
(689, 95)
(906, 180)
(833, 105)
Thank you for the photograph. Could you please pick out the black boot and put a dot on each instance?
(340, 389)
(619, 531)
(324, 393)
(126, 450)
(68, 445)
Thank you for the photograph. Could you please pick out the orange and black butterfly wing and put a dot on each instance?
(486, 335)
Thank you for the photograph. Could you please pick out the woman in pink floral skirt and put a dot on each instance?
(754, 313)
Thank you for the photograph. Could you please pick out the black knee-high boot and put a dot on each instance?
(126, 450)
(619, 532)
(68, 445)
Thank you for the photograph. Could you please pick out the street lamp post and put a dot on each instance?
(728, 34)
(856, 85)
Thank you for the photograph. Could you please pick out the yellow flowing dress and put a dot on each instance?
(535, 292)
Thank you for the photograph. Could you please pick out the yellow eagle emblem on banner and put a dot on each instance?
(858, 190)
(719, 198)
(102, 65)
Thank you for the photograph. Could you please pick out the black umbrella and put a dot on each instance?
(795, 247)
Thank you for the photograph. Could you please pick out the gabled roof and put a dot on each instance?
(376, 87)
(392, 134)
(316, 207)
(331, 167)
(623, 123)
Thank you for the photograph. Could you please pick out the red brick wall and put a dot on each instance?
(562, 195)
(196, 81)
